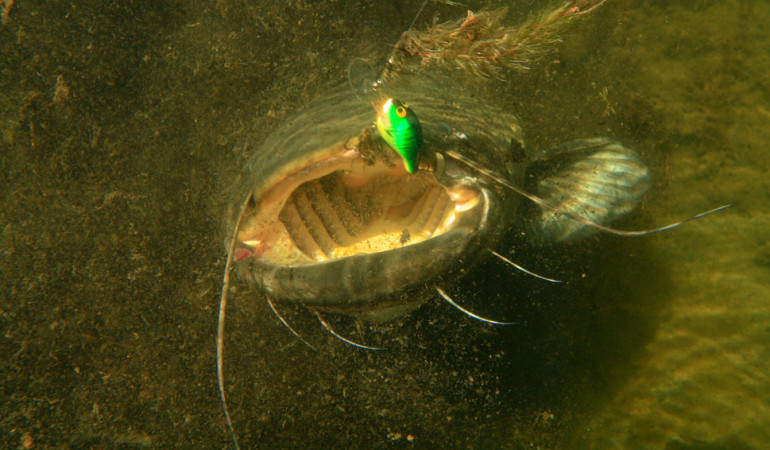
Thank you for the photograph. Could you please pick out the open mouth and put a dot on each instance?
(336, 223)
(345, 202)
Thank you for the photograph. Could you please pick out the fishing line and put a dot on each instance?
(377, 81)
(417, 15)
(372, 86)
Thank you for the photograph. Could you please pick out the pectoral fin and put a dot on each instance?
(597, 179)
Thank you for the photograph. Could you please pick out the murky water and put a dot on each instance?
(122, 126)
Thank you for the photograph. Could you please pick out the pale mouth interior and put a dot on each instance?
(343, 206)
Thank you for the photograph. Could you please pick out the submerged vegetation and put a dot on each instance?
(483, 44)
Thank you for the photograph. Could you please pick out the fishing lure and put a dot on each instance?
(401, 129)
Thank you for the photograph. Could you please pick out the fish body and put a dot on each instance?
(331, 200)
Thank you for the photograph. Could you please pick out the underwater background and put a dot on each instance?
(122, 125)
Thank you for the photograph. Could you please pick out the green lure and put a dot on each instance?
(401, 129)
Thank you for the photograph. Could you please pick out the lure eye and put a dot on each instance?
(401, 111)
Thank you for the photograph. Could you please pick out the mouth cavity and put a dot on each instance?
(342, 203)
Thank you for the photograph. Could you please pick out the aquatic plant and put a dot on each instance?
(482, 44)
